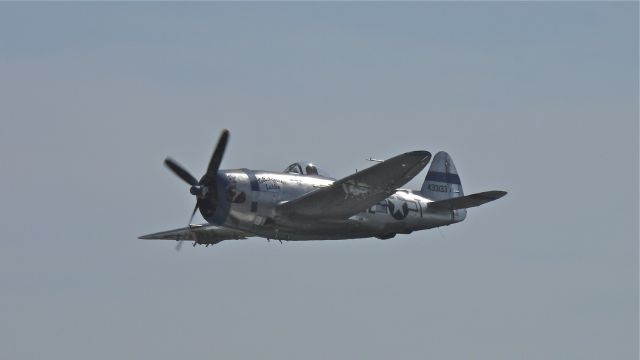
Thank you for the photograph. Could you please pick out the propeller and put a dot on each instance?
(205, 189)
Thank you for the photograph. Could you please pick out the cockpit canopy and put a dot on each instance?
(305, 168)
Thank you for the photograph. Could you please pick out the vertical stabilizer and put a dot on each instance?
(442, 181)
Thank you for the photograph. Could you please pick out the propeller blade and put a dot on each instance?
(179, 244)
(193, 213)
(216, 158)
(180, 171)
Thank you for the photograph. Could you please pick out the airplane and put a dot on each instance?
(304, 203)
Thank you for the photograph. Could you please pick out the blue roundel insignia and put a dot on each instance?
(398, 208)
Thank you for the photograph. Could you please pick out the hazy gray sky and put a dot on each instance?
(539, 99)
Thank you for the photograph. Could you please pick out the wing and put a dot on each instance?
(468, 201)
(202, 234)
(357, 192)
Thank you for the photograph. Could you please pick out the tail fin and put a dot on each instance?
(442, 181)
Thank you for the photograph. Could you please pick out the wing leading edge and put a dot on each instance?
(357, 192)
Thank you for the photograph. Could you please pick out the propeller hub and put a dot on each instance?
(195, 190)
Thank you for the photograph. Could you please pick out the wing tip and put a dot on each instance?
(419, 153)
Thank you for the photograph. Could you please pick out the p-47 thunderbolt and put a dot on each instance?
(304, 203)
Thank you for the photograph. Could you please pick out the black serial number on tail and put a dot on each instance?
(439, 188)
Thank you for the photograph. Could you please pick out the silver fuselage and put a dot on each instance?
(249, 200)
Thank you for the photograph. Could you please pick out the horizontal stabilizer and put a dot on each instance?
(468, 201)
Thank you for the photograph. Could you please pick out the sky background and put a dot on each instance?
(538, 99)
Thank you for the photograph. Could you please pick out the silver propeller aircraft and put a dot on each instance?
(304, 203)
